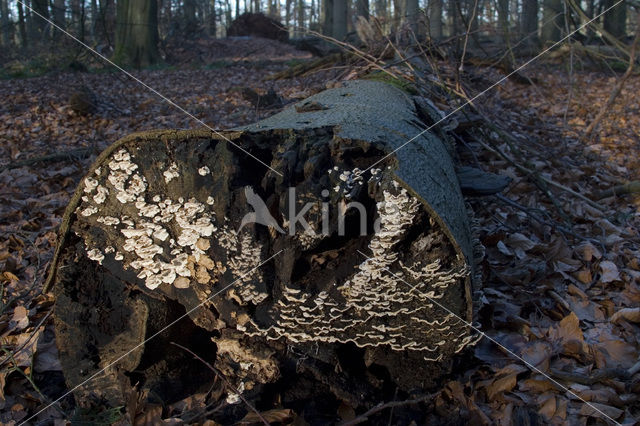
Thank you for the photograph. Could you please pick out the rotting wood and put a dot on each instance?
(154, 230)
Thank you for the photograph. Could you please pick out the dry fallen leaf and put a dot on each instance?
(609, 271)
(630, 314)
(20, 318)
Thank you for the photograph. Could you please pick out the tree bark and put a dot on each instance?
(212, 20)
(58, 13)
(340, 12)
(529, 20)
(615, 21)
(435, 19)
(190, 21)
(503, 17)
(362, 8)
(41, 7)
(327, 22)
(21, 26)
(410, 14)
(137, 33)
(167, 220)
(552, 20)
(6, 24)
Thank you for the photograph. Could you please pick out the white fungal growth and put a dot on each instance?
(90, 184)
(96, 255)
(203, 171)
(348, 181)
(89, 211)
(210, 200)
(377, 306)
(171, 173)
(101, 196)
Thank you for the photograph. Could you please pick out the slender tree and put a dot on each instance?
(190, 21)
(22, 25)
(41, 8)
(57, 13)
(137, 33)
(327, 21)
(340, 12)
(529, 20)
(410, 13)
(435, 19)
(362, 8)
(5, 22)
(615, 21)
(503, 17)
(212, 24)
(553, 18)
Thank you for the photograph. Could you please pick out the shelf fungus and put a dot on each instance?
(345, 268)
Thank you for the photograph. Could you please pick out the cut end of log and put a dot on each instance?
(332, 257)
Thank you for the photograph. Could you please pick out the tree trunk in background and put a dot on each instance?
(190, 21)
(327, 22)
(453, 17)
(94, 18)
(312, 16)
(105, 26)
(552, 20)
(340, 10)
(76, 16)
(410, 13)
(57, 13)
(21, 26)
(397, 14)
(300, 18)
(362, 8)
(382, 12)
(503, 18)
(435, 19)
(137, 33)
(529, 20)
(615, 21)
(5, 23)
(41, 7)
(212, 24)
(256, 6)
(590, 11)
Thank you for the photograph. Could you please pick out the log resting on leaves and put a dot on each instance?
(155, 232)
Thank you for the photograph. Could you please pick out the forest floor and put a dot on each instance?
(561, 274)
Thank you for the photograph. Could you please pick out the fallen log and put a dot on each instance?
(341, 274)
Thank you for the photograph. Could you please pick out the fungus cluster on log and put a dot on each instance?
(348, 306)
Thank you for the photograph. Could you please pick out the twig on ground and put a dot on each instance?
(628, 188)
(596, 377)
(226, 382)
(529, 172)
(383, 406)
(548, 222)
(58, 156)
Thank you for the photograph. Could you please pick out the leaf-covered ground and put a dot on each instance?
(561, 272)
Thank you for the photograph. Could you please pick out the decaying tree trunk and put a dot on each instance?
(351, 310)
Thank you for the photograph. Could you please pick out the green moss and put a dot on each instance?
(399, 83)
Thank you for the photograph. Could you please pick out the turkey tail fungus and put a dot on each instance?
(343, 278)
